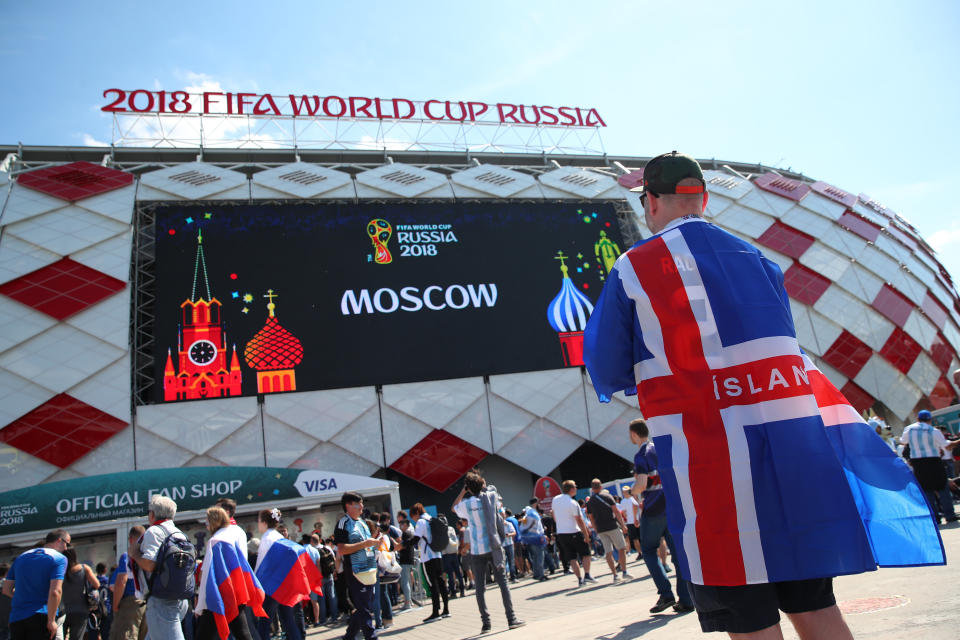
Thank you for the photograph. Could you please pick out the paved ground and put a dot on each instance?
(919, 604)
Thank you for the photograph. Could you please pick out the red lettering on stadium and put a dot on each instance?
(357, 107)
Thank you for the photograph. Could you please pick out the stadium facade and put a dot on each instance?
(403, 315)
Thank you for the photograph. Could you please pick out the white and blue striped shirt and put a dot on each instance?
(924, 439)
(476, 531)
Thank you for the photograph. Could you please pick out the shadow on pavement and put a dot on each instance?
(639, 628)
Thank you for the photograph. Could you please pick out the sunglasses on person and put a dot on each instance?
(643, 197)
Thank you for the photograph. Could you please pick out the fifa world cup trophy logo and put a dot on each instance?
(380, 231)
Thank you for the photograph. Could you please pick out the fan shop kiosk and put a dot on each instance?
(98, 511)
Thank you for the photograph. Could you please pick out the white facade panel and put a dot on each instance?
(108, 390)
(860, 320)
(112, 257)
(861, 283)
(242, 448)
(22, 469)
(18, 397)
(400, 433)
(825, 261)
(302, 180)
(18, 257)
(499, 182)
(24, 203)
(473, 425)
(198, 425)
(60, 357)
(924, 373)
(154, 452)
(19, 323)
(108, 320)
(881, 380)
(66, 230)
(284, 444)
(321, 414)
(435, 403)
(580, 182)
(192, 181)
(113, 456)
(747, 221)
(117, 204)
(363, 437)
(540, 446)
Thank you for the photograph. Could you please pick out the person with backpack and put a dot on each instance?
(479, 505)
(104, 611)
(433, 540)
(80, 596)
(328, 568)
(166, 561)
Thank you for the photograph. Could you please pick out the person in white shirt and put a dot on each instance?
(927, 446)
(630, 509)
(163, 615)
(572, 535)
(432, 563)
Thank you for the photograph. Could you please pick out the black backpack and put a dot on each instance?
(327, 562)
(172, 577)
(438, 533)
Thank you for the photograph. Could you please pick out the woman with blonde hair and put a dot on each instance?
(227, 584)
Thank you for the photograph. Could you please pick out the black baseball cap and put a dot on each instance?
(662, 174)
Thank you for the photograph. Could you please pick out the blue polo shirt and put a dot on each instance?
(32, 571)
(645, 461)
(128, 587)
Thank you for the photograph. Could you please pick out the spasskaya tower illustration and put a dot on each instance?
(202, 370)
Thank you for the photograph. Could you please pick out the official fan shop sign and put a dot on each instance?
(126, 495)
(358, 107)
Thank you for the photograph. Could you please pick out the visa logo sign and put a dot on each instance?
(320, 484)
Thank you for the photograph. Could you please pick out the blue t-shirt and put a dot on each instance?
(128, 588)
(32, 571)
(646, 462)
(516, 526)
(350, 531)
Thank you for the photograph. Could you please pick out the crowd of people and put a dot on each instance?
(255, 587)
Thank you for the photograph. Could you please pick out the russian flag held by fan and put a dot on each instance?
(769, 473)
(230, 583)
(288, 574)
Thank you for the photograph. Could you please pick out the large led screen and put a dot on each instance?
(292, 297)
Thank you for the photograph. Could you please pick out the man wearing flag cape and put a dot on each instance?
(774, 484)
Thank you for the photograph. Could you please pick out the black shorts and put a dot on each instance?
(754, 607)
(572, 546)
(633, 531)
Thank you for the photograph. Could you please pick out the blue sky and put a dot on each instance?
(863, 95)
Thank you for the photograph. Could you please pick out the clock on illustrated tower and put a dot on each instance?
(201, 366)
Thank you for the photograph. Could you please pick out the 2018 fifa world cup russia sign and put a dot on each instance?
(361, 107)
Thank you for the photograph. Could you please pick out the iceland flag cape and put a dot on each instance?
(288, 574)
(230, 582)
(768, 472)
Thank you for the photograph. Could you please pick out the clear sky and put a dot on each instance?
(864, 95)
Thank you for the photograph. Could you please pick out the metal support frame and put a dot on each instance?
(221, 131)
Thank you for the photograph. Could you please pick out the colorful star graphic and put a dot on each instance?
(235, 294)
(245, 310)
(207, 216)
(189, 220)
(247, 298)
(594, 214)
(579, 256)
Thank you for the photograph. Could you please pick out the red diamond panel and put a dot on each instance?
(848, 354)
(941, 353)
(942, 394)
(76, 180)
(785, 187)
(786, 239)
(934, 310)
(834, 193)
(860, 399)
(803, 284)
(439, 460)
(62, 289)
(893, 304)
(901, 350)
(61, 431)
(860, 226)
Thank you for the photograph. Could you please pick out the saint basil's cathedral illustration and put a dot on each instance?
(568, 313)
(202, 370)
(274, 352)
